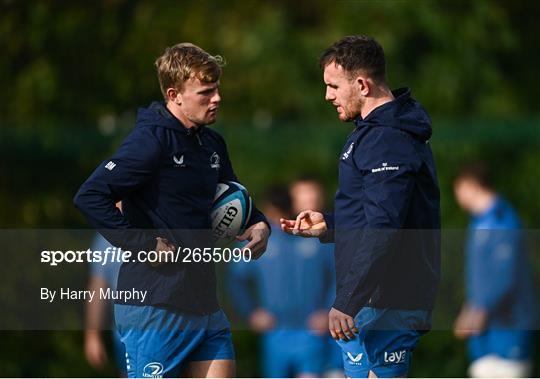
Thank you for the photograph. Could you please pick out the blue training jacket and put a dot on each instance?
(166, 176)
(293, 279)
(386, 222)
(498, 275)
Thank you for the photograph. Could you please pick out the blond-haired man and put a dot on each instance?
(166, 172)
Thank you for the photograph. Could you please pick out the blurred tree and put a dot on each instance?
(72, 74)
(86, 59)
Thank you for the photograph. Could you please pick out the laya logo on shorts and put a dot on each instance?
(348, 152)
(355, 360)
(395, 356)
(153, 370)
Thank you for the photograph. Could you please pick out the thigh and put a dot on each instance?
(219, 368)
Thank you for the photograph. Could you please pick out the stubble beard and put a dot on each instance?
(354, 107)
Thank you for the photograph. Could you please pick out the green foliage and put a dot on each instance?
(74, 72)
(89, 59)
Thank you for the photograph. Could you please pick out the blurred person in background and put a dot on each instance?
(294, 287)
(499, 313)
(307, 192)
(99, 311)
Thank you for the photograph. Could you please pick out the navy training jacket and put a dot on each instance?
(386, 222)
(166, 176)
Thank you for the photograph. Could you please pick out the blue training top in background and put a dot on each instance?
(294, 278)
(498, 274)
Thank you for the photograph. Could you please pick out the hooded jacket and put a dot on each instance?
(166, 176)
(386, 222)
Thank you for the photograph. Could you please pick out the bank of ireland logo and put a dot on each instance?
(385, 167)
(214, 161)
(355, 360)
(153, 370)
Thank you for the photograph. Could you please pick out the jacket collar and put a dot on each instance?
(162, 109)
(401, 95)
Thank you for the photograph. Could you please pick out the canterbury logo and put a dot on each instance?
(178, 161)
(354, 359)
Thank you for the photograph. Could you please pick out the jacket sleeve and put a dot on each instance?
(329, 235)
(131, 166)
(330, 273)
(388, 163)
(227, 174)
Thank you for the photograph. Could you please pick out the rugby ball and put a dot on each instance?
(230, 213)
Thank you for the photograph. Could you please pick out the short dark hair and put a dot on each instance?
(477, 171)
(355, 53)
(307, 177)
(278, 196)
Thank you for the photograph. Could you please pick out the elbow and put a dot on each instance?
(82, 199)
(78, 200)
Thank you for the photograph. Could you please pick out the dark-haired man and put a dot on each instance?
(386, 220)
(166, 173)
(499, 313)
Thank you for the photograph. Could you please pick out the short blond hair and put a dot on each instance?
(183, 61)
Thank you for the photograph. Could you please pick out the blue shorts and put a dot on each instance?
(159, 341)
(292, 353)
(384, 343)
(509, 344)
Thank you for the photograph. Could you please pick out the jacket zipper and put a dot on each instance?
(198, 138)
